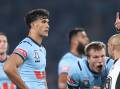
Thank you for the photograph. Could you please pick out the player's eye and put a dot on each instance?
(95, 57)
(103, 56)
(44, 21)
(5, 41)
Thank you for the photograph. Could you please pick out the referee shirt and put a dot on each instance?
(113, 79)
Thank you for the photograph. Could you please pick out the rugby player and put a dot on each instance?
(30, 55)
(77, 39)
(5, 83)
(92, 73)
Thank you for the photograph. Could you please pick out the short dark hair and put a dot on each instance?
(35, 14)
(74, 32)
(96, 45)
(1, 33)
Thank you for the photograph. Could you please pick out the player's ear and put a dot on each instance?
(8, 46)
(73, 41)
(32, 24)
(88, 60)
(112, 47)
(88, 57)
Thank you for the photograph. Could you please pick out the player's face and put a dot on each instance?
(42, 27)
(3, 44)
(96, 60)
(82, 38)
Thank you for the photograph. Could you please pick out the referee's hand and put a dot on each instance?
(117, 22)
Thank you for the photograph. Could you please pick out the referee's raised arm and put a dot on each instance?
(117, 22)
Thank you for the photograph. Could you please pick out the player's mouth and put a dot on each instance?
(46, 31)
(100, 67)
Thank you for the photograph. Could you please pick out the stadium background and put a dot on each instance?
(97, 16)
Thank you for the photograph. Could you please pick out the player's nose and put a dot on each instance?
(47, 25)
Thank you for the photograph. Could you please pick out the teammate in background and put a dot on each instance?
(77, 39)
(92, 73)
(117, 22)
(113, 79)
(30, 55)
(5, 83)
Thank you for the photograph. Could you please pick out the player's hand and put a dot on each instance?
(117, 22)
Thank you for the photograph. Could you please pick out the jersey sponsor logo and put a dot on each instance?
(36, 56)
(65, 69)
(22, 52)
(39, 74)
(108, 83)
(6, 85)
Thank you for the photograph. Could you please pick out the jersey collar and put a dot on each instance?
(34, 41)
(92, 70)
(3, 60)
(116, 60)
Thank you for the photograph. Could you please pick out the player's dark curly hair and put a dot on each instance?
(34, 15)
(74, 32)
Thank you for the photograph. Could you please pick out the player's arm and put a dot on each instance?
(63, 69)
(11, 69)
(62, 81)
(72, 84)
(73, 79)
(117, 22)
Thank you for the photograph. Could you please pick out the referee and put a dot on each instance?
(113, 79)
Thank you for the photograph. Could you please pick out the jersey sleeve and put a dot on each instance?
(109, 62)
(22, 50)
(64, 65)
(73, 79)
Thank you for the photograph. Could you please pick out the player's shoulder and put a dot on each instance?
(117, 63)
(25, 42)
(108, 60)
(24, 46)
(67, 57)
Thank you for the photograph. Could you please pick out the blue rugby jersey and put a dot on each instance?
(5, 83)
(66, 61)
(81, 77)
(32, 71)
